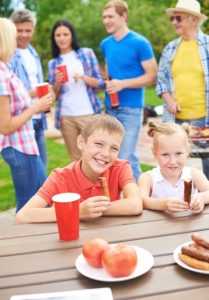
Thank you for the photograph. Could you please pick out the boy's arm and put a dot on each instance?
(131, 204)
(35, 211)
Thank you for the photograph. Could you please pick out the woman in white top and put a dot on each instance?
(76, 98)
(163, 187)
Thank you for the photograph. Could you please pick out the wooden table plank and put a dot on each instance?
(8, 228)
(120, 233)
(176, 279)
(161, 247)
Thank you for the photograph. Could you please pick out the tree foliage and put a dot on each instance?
(147, 17)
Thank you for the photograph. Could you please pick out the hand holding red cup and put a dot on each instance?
(63, 69)
(42, 89)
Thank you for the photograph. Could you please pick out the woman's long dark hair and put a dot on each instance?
(55, 48)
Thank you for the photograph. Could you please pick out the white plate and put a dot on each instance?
(145, 262)
(176, 253)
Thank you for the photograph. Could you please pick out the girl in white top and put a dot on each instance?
(163, 187)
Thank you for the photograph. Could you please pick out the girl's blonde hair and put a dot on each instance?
(157, 129)
(7, 39)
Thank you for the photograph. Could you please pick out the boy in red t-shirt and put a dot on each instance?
(99, 144)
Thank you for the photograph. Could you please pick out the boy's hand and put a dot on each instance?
(93, 207)
(175, 205)
(197, 203)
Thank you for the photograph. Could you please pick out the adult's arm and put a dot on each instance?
(147, 79)
(9, 124)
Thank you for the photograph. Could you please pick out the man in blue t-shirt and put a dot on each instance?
(130, 66)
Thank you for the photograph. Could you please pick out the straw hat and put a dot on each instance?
(191, 7)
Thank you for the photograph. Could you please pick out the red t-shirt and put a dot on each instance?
(72, 179)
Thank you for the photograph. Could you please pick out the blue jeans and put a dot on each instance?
(199, 123)
(131, 118)
(40, 139)
(28, 174)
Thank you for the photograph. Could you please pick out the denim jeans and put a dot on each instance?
(131, 118)
(28, 174)
(40, 139)
(200, 123)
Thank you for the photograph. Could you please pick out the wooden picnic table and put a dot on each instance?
(33, 260)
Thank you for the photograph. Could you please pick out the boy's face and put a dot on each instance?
(99, 152)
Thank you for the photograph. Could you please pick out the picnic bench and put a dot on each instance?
(33, 260)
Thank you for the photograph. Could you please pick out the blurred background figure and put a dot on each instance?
(76, 89)
(183, 76)
(18, 146)
(27, 66)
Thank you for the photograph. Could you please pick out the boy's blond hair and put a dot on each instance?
(156, 129)
(7, 39)
(121, 7)
(102, 122)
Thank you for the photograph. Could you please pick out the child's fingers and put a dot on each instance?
(177, 206)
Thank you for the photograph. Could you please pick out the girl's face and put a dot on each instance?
(99, 152)
(171, 152)
(63, 39)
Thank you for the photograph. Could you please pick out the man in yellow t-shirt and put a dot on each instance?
(183, 76)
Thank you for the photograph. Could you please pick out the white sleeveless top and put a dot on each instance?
(161, 188)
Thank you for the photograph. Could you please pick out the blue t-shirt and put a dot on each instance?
(123, 59)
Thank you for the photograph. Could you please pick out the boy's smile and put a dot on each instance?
(99, 152)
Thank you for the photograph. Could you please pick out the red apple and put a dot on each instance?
(93, 250)
(119, 260)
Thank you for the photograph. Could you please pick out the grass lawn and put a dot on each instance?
(57, 157)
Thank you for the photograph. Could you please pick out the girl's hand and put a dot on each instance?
(93, 207)
(175, 205)
(197, 203)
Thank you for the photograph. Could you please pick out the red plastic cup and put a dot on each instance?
(42, 89)
(114, 100)
(67, 215)
(63, 70)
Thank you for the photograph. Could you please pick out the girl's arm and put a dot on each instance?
(201, 183)
(161, 204)
(145, 186)
(36, 211)
(131, 204)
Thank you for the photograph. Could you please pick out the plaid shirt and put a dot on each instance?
(22, 139)
(17, 65)
(165, 79)
(91, 68)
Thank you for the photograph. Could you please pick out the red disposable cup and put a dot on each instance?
(63, 70)
(114, 99)
(67, 215)
(42, 89)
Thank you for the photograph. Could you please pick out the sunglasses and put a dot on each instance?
(178, 19)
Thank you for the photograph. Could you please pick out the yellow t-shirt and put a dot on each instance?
(189, 84)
